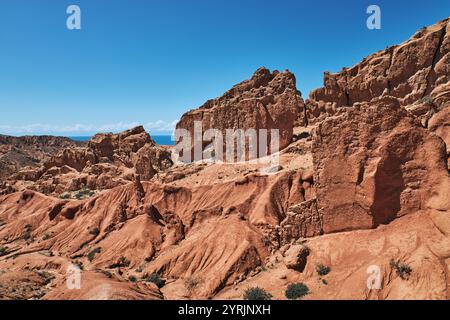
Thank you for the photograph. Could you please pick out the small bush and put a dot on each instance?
(296, 291)
(46, 276)
(322, 270)
(64, 196)
(91, 255)
(156, 279)
(256, 293)
(191, 283)
(427, 100)
(94, 231)
(132, 278)
(84, 194)
(402, 269)
(3, 251)
(27, 232)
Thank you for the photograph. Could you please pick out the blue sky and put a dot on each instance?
(148, 62)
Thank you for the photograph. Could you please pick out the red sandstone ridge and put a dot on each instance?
(362, 182)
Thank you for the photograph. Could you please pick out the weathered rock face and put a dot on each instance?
(415, 72)
(373, 164)
(108, 160)
(266, 101)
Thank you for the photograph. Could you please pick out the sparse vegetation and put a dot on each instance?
(296, 290)
(427, 100)
(46, 236)
(84, 194)
(121, 263)
(65, 196)
(46, 276)
(27, 232)
(256, 293)
(156, 279)
(322, 270)
(94, 231)
(191, 283)
(91, 255)
(3, 251)
(132, 278)
(403, 270)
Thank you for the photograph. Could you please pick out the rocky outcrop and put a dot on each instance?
(108, 160)
(269, 100)
(415, 72)
(16, 153)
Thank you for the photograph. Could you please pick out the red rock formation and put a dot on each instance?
(266, 101)
(373, 163)
(16, 153)
(108, 160)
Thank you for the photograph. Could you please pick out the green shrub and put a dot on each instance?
(84, 194)
(46, 276)
(402, 269)
(191, 283)
(3, 251)
(256, 293)
(156, 279)
(94, 231)
(132, 278)
(296, 291)
(27, 232)
(322, 270)
(64, 196)
(91, 255)
(427, 100)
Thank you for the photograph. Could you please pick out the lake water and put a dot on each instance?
(161, 140)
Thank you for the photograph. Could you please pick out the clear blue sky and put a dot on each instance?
(148, 62)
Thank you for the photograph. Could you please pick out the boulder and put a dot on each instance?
(296, 257)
